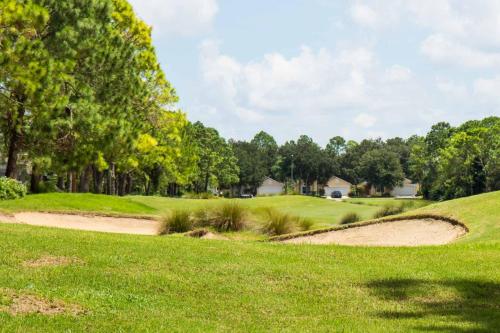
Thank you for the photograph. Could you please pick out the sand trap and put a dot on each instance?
(120, 225)
(398, 233)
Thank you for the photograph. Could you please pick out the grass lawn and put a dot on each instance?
(139, 283)
(322, 212)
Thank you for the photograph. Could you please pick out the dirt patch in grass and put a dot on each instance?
(46, 261)
(22, 304)
(413, 232)
(205, 234)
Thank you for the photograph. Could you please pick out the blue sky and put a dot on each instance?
(324, 68)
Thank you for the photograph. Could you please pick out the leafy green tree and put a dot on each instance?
(381, 168)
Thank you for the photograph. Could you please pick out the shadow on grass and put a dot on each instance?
(448, 306)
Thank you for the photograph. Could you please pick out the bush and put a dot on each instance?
(203, 218)
(11, 189)
(229, 217)
(388, 210)
(350, 218)
(177, 222)
(278, 223)
(304, 224)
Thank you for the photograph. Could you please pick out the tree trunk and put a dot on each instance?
(128, 186)
(60, 183)
(111, 179)
(35, 179)
(84, 185)
(69, 182)
(121, 184)
(15, 140)
(98, 177)
(74, 182)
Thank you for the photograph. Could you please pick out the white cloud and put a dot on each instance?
(180, 17)
(364, 15)
(443, 50)
(398, 73)
(452, 89)
(365, 120)
(487, 90)
(316, 90)
(461, 33)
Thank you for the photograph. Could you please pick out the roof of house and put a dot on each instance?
(336, 181)
(270, 181)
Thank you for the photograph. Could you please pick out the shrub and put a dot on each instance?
(203, 217)
(350, 218)
(278, 223)
(229, 216)
(177, 222)
(11, 189)
(304, 224)
(388, 210)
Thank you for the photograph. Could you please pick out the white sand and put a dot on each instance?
(398, 233)
(132, 226)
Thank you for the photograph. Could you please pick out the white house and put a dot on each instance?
(270, 187)
(407, 189)
(337, 184)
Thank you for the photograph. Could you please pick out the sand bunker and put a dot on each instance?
(415, 232)
(122, 225)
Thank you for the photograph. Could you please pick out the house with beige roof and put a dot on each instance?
(337, 184)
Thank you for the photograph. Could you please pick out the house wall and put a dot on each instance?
(270, 190)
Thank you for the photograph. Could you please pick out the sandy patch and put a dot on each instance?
(51, 261)
(121, 225)
(20, 304)
(205, 234)
(398, 233)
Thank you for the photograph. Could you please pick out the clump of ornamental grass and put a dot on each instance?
(389, 210)
(203, 217)
(350, 218)
(178, 221)
(229, 216)
(304, 224)
(278, 223)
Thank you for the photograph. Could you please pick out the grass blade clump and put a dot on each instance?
(350, 218)
(388, 210)
(203, 217)
(178, 221)
(278, 223)
(229, 216)
(304, 224)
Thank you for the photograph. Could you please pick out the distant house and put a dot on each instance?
(406, 189)
(337, 184)
(270, 187)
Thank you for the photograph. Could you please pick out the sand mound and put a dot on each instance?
(205, 234)
(46, 261)
(21, 304)
(415, 232)
(122, 225)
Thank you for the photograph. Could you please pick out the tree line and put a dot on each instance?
(448, 162)
(85, 107)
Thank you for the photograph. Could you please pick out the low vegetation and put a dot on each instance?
(230, 216)
(11, 189)
(350, 218)
(259, 286)
(178, 221)
(278, 223)
(389, 210)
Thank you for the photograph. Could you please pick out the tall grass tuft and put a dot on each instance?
(203, 217)
(304, 224)
(229, 216)
(278, 223)
(388, 210)
(177, 221)
(350, 218)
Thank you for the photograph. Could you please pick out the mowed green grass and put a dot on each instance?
(139, 283)
(322, 212)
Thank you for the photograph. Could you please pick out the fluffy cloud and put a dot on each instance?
(461, 33)
(316, 91)
(487, 89)
(180, 17)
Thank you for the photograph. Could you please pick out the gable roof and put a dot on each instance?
(336, 181)
(269, 181)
